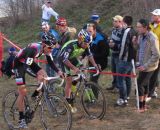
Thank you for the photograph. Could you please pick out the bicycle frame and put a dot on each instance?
(82, 79)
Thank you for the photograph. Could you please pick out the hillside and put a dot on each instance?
(77, 12)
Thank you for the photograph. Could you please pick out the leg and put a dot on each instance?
(68, 86)
(113, 69)
(143, 82)
(153, 82)
(22, 91)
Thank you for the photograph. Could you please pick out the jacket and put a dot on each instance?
(151, 51)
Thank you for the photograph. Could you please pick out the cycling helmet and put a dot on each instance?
(84, 36)
(61, 22)
(49, 40)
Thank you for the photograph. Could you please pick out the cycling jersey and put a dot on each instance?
(71, 51)
(26, 57)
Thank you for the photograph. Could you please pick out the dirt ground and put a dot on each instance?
(116, 118)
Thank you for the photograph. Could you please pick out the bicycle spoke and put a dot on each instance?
(10, 110)
(60, 118)
(93, 101)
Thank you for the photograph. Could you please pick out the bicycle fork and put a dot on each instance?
(51, 105)
(89, 94)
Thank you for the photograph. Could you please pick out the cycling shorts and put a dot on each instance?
(20, 70)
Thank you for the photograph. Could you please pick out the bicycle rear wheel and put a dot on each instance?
(57, 114)
(93, 101)
(10, 110)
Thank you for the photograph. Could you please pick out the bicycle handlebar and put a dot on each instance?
(48, 79)
(83, 69)
(91, 68)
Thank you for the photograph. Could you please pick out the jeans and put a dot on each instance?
(114, 63)
(124, 83)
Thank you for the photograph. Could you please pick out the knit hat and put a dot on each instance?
(95, 17)
(11, 50)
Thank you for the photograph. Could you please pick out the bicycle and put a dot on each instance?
(51, 106)
(91, 95)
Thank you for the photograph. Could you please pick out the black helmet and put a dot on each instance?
(49, 39)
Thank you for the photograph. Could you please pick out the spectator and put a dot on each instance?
(155, 27)
(47, 30)
(66, 33)
(95, 19)
(148, 58)
(114, 44)
(9, 62)
(127, 53)
(99, 49)
(47, 12)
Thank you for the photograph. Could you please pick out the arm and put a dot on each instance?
(154, 52)
(90, 58)
(51, 63)
(53, 13)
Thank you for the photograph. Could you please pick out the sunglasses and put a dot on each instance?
(50, 47)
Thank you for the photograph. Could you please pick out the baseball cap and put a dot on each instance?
(118, 18)
(156, 12)
(48, 1)
(95, 17)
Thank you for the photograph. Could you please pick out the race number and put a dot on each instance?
(29, 61)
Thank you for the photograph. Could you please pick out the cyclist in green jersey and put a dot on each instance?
(70, 51)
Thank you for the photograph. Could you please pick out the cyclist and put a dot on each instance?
(25, 58)
(69, 53)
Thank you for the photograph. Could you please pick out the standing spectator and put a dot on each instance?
(66, 33)
(155, 27)
(47, 30)
(127, 53)
(95, 19)
(47, 12)
(114, 44)
(9, 62)
(99, 49)
(148, 58)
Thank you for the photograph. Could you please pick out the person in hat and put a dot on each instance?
(47, 12)
(155, 27)
(114, 44)
(9, 62)
(148, 58)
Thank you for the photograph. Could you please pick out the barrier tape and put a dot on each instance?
(18, 48)
(114, 74)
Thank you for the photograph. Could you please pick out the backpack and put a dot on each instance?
(7, 66)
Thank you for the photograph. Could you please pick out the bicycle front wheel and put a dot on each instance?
(10, 110)
(93, 101)
(55, 113)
